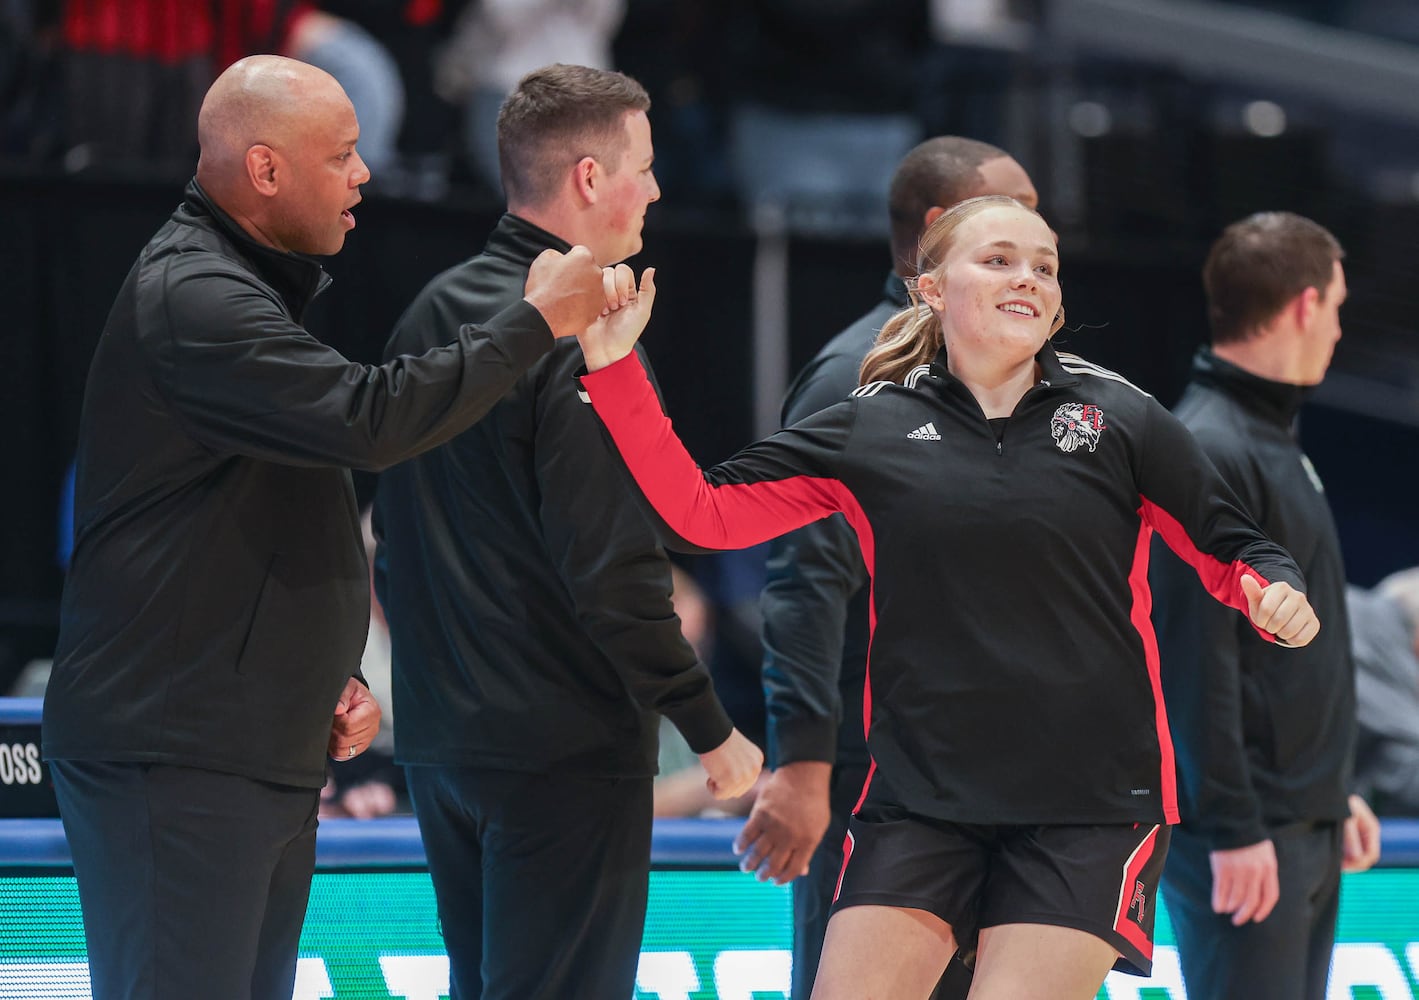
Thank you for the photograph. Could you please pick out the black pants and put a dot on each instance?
(813, 894)
(541, 880)
(192, 883)
(1287, 955)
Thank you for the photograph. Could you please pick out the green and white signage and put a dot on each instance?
(709, 934)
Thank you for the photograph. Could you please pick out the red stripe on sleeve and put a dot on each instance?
(1141, 616)
(731, 516)
(1222, 580)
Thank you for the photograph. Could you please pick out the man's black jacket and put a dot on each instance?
(1265, 735)
(527, 599)
(815, 599)
(218, 599)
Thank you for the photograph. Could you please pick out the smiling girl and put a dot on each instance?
(1004, 497)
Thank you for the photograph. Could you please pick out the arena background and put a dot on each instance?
(1147, 124)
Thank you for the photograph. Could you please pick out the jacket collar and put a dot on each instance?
(296, 278)
(514, 238)
(895, 291)
(1053, 374)
(1277, 402)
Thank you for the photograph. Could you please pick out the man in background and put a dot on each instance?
(1253, 875)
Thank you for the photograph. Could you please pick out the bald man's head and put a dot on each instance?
(260, 100)
(278, 153)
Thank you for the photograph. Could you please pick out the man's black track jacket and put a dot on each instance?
(1265, 735)
(218, 599)
(814, 603)
(1013, 675)
(527, 598)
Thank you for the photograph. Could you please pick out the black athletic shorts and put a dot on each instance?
(1099, 879)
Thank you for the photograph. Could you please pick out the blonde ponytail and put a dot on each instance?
(910, 338)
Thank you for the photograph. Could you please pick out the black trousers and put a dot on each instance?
(541, 880)
(1287, 955)
(813, 894)
(192, 883)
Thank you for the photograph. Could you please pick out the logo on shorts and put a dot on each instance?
(1076, 424)
(1138, 902)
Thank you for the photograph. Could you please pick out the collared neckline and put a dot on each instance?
(297, 278)
(517, 239)
(1052, 371)
(1275, 401)
(895, 291)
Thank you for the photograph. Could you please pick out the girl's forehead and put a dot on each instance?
(1007, 222)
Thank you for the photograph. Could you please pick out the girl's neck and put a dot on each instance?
(997, 390)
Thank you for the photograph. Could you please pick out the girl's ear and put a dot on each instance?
(931, 289)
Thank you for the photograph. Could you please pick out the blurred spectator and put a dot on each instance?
(27, 77)
(496, 43)
(364, 67)
(825, 104)
(1384, 625)
(977, 51)
(676, 49)
(135, 71)
(412, 31)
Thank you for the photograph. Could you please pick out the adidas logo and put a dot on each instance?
(926, 432)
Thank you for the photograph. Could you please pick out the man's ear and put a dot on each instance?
(587, 177)
(1304, 307)
(932, 214)
(261, 169)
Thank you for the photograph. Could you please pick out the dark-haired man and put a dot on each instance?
(529, 605)
(1253, 877)
(815, 602)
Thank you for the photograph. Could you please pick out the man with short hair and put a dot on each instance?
(1264, 735)
(534, 643)
(815, 601)
(218, 600)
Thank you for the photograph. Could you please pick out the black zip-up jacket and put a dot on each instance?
(1265, 735)
(814, 603)
(1013, 674)
(218, 599)
(527, 598)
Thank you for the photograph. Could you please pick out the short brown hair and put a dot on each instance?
(940, 171)
(556, 116)
(1260, 264)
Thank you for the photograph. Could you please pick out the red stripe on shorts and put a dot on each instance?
(1128, 891)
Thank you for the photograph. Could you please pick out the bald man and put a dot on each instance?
(815, 601)
(218, 599)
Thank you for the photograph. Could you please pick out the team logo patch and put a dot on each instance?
(1075, 424)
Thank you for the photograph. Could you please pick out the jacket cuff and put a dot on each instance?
(521, 331)
(792, 740)
(1233, 835)
(703, 722)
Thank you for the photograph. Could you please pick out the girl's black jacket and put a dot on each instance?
(1013, 674)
